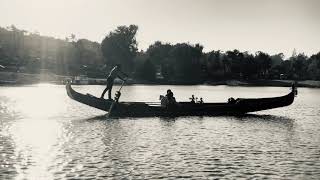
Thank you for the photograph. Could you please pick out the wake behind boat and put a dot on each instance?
(143, 109)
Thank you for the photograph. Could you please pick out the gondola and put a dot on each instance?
(238, 106)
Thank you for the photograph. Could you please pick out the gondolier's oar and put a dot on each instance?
(121, 85)
(116, 99)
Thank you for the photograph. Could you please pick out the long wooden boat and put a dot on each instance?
(141, 109)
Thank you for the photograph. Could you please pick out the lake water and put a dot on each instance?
(46, 135)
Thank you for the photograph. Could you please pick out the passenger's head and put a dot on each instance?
(169, 93)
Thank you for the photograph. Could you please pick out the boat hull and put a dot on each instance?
(141, 109)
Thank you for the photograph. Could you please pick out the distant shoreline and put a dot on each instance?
(250, 83)
(11, 78)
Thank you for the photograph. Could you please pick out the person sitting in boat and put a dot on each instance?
(201, 101)
(115, 72)
(164, 101)
(171, 99)
(168, 100)
(192, 99)
(231, 100)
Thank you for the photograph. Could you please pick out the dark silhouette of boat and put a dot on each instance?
(238, 106)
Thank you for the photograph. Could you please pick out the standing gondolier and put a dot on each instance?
(115, 72)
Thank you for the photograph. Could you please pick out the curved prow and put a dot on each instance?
(88, 99)
(259, 104)
(68, 87)
(294, 88)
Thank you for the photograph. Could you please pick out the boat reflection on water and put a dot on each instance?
(244, 117)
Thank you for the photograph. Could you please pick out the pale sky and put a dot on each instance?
(271, 26)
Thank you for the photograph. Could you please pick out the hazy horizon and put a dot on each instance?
(247, 25)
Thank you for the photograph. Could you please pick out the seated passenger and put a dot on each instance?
(192, 99)
(234, 101)
(168, 100)
(231, 100)
(164, 100)
(171, 99)
(201, 101)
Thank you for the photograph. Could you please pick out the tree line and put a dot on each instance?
(29, 52)
(162, 62)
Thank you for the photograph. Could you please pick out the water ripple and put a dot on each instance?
(42, 138)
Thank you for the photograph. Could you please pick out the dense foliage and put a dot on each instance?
(22, 51)
(120, 46)
(31, 53)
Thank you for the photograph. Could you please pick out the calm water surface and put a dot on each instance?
(46, 135)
